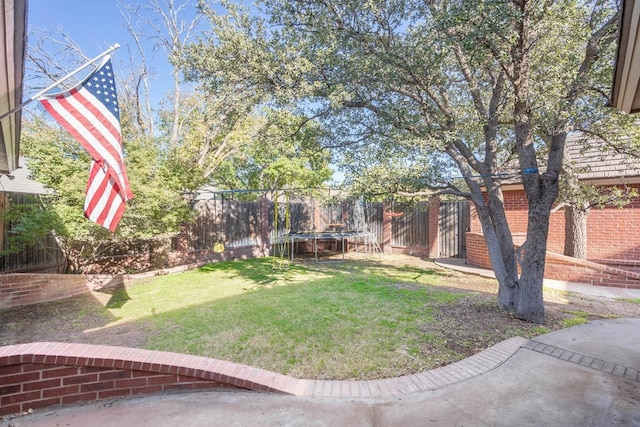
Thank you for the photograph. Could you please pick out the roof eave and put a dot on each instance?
(626, 81)
(13, 45)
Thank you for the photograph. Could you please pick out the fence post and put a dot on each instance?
(387, 228)
(345, 208)
(264, 226)
(434, 227)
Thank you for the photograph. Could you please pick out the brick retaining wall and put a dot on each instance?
(29, 288)
(39, 375)
(17, 289)
(561, 267)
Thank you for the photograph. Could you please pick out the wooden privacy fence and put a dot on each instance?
(228, 224)
(39, 256)
(237, 223)
(232, 223)
(454, 221)
(412, 227)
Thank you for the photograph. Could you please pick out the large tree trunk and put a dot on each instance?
(541, 188)
(575, 231)
(499, 242)
(530, 302)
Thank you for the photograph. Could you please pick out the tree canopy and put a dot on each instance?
(486, 83)
(171, 149)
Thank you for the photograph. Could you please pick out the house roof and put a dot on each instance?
(13, 44)
(19, 181)
(626, 82)
(590, 159)
(595, 162)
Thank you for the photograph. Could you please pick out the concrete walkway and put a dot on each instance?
(581, 288)
(587, 375)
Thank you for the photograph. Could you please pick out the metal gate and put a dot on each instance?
(454, 221)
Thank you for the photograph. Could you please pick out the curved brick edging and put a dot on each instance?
(42, 374)
(39, 375)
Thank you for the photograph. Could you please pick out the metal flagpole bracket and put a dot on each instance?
(51, 86)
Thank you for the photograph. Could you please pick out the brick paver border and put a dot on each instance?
(584, 360)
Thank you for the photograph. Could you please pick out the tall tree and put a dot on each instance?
(484, 82)
(282, 156)
(170, 149)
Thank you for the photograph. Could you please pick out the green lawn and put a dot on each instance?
(362, 319)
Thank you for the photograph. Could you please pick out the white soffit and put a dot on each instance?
(626, 86)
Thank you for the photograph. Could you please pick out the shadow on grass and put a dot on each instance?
(119, 297)
(65, 320)
(261, 271)
(118, 291)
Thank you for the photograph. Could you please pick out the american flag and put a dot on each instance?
(89, 111)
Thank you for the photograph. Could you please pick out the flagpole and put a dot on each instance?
(51, 86)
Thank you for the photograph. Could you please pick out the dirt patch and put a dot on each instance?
(468, 325)
(79, 319)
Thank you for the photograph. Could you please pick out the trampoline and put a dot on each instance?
(366, 239)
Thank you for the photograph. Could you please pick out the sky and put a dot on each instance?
(95, 25)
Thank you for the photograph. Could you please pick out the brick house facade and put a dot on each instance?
(613, 248)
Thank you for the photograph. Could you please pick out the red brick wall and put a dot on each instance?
(516, 207)
(569, 269)
(614, 233)
(29, 288)
(387, 228)
(39, 375)
(18, 289)
(611, 232)
(208, 255)
(561, 267)
(477, 253)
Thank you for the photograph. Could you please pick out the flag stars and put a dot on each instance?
(102, 85)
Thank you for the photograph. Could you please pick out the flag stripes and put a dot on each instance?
(86, 126)
(103, 204)
(90, 113)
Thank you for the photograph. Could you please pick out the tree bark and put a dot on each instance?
(530, 302)
(500, 246)
(575, 231)
(541, 188)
